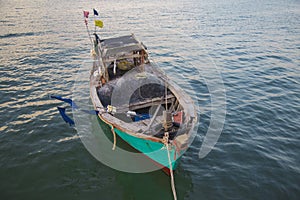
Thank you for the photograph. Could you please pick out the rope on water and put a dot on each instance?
(166, 141)
(112, 130)
(115, 138)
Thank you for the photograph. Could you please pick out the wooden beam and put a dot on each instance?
(144, 104)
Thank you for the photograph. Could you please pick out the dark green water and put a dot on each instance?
(255, 46)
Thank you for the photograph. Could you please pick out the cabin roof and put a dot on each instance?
(121, 45)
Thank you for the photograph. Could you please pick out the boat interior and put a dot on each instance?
(152, 106)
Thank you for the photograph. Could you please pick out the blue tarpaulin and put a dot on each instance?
(140, 117)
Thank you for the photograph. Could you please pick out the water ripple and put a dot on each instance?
(255, 47)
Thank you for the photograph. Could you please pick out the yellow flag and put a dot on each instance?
(99, 23)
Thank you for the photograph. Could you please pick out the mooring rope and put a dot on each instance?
(166, 141)
(112, 130)
(115, 138)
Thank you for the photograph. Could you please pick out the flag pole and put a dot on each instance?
(88, 31)
(94, 23)
(86, 16)
(95, 12)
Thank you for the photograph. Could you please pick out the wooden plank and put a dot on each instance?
(144, 104)
(151, 102)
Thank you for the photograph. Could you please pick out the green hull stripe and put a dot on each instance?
(154, 150)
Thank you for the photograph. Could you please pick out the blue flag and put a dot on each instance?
(95, 12)
(69, 101)
(62, 111)
(65, 117)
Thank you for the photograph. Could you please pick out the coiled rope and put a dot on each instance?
(166, 143)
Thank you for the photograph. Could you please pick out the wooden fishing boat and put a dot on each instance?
(139, 102)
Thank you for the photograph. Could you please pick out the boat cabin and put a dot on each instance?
(121, 54)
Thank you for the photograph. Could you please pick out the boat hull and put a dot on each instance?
(156, 151)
